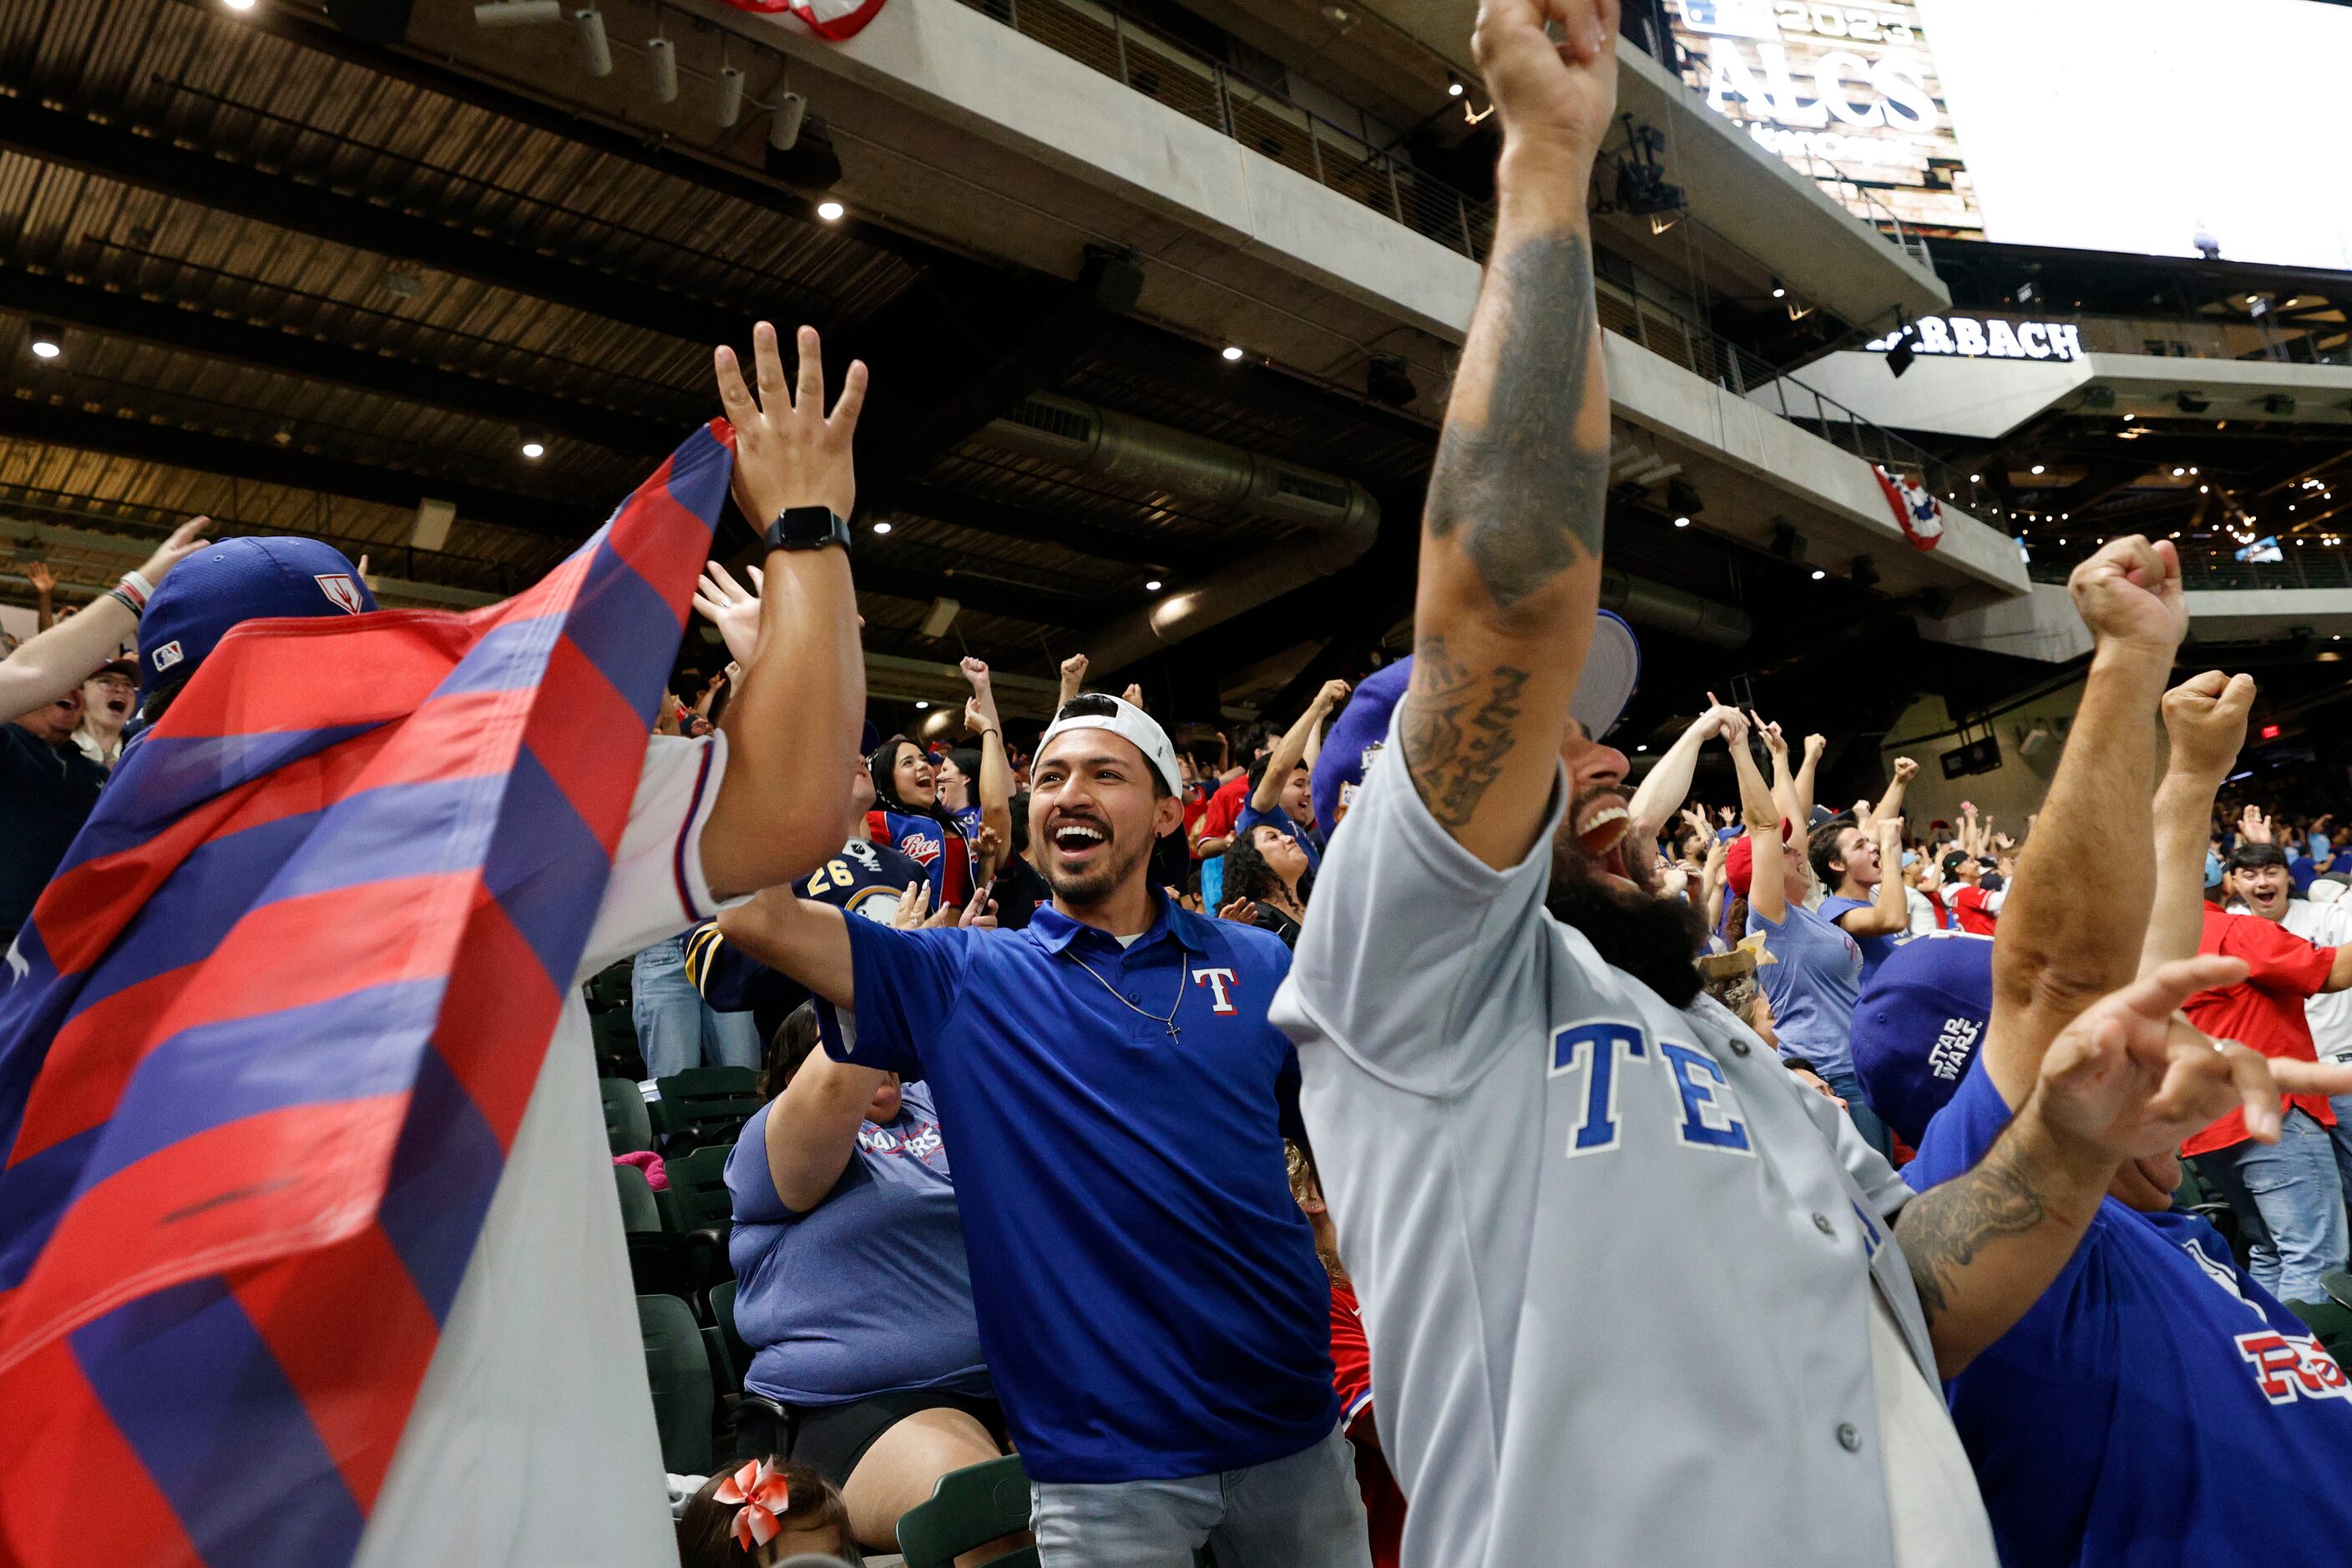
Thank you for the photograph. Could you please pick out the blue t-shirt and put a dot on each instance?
(967, 821)
(2156, 1408)
(1875, 949)
(2302, 872)
(1813, 986)
(867, 1292)
(1149, 1300)
(1251, 817)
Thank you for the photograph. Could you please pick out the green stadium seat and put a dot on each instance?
(615, 1039)
(678, 1371)
(628, 1126)
(639, 1213)
(697, 1183)
(722, 1313)
(970, 1508)
(2331, 1321)
(608, 988)
(704, 1105)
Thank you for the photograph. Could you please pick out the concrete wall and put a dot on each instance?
(2011, 792)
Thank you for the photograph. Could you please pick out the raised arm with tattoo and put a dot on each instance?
(1510, 549)
(2099, 1068)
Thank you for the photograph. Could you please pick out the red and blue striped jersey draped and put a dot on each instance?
(272, 1030)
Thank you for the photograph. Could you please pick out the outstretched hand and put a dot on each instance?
(732, 609)
(788, 450)
(2130, 1079)
(2253, 826)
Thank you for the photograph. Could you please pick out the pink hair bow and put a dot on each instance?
(760, 1486)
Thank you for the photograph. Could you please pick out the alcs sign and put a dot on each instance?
(1993, 338)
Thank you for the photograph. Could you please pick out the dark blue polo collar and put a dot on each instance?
(1053, 930)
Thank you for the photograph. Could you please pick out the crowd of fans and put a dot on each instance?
(1181, 1111)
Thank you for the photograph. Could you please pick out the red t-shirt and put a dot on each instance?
(1351, 1376)
(1969, 904)
(1225, 807)
(2264, 1010)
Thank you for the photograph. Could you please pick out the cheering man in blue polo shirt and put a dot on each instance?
(1150, 1300)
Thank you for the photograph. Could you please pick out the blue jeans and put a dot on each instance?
(2341, 1136)
(676, 1028)
(2298, 1195)
(1299, 1512)
(1865, 1120)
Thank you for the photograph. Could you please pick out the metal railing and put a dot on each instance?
(1253, 114)
(2305, 566)
(1713, 357)
(1260, 117)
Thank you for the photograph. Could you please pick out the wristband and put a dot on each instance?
(123, 597)
(140, 590)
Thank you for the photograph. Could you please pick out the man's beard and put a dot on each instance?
(1084, 890)
(1651, 937)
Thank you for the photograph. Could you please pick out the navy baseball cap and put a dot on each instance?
(1918, 1024)
(241, 580)
(1613, 668)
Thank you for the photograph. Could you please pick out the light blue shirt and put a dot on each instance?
(1813, 986)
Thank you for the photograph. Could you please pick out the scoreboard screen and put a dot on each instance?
(2164, 127)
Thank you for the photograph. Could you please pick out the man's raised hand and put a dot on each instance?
(2129, 1077)
(2205, 717)
(788, 451)
(2129, 596)
(2253, 826)
(1559, 96)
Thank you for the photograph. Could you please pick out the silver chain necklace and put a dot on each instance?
(1173, 1032)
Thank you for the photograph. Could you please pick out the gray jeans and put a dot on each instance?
(1299, 1512)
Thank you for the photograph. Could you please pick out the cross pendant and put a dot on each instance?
(1174, 1033)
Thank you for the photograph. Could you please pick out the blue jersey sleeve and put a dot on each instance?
(732, 981)
(907, 983)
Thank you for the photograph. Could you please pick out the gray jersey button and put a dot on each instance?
(1738, 1046)
(1822, 1224)
(1848, 1439)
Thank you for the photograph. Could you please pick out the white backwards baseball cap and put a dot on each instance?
(1098, 710)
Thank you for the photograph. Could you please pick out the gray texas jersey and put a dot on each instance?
(1615, 1263)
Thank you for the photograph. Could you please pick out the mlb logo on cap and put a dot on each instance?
(241, 580)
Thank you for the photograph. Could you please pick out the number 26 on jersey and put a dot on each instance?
(1610, 1056)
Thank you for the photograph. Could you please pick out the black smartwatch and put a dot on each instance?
(808, 527)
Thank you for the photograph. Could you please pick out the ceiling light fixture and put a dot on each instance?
(533, 448)
(785, 122)
(920, 705)
(1231, 354)
(1682, 523)
(830, 211)
(1819, 573)
(881, 528)
(661, 68)
(595, 52)
(1152, 585)
(47, 341)
(1454, 87)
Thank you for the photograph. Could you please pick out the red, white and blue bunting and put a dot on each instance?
(1916, 508)
(836, 21)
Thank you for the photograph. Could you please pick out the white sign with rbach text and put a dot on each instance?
(1993, 338)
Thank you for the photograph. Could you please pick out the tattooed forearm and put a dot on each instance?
(1524, 496)
(1945, 1228)
(1456, 730)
